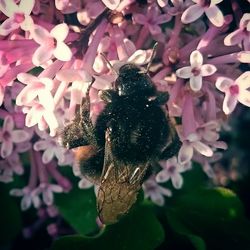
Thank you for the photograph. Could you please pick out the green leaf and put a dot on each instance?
(78, 207)
(215, 216)
(140, 229)
(10, 217)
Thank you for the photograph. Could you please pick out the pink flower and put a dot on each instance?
(193, 142)
(152, 19)
(9, 136)
(37, 113)
(51, 44)
(235, 91)
(68, 6)
(51, 149)
(171, 170)
(155, 192)
(196, 71)
(19, 15)
(47, 190)
(241, 35)
(35, 87)
(200, 7)
(29, 197)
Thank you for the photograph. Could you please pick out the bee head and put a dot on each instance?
(133, 81)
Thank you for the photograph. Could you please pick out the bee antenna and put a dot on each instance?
(108, 62)
(152, 57)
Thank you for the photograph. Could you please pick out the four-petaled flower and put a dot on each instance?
(19, 16)
(200, 7)
(152, 20)
(235, 91)
(171, 170)
(51, 44)
(155, 192)
(241, 35)
(9, 136)
(196, 71)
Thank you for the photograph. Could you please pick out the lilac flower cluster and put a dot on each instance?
(50, 51)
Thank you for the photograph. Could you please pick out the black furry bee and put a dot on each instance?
(130, 136)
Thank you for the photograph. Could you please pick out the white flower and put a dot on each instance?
(155, 192)
(196, 71)
(200, 7)
(9, 136)
(171, 170)
(235, 91)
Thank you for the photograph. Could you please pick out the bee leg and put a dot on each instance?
(108, 95)
(81, 131)
(173, 147)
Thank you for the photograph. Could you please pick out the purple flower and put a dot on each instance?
(18, 15)
(152, 19)
(171, 170)
(241, 35)
(200, 7)
(51, 44)
(155, 192)
(235, 91)
(9, 136)
(196, 71)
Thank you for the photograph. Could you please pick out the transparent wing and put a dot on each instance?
(119, 186)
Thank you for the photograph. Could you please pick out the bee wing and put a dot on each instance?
(119, 186)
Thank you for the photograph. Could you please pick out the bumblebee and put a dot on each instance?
(130, 136)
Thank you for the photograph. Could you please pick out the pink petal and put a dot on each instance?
(202, 148)
(244, 80)
(40, 35)
(26, 78)
(27, 94)
(229, 103)
(8, 7)
(157, 199)
(233, 38)
(165, 191)
(213, 2)
(51, 120)
(196, 59)
(60, 32)
(184, 72)
(111, 4)
(139, 57)
(6, 148)
(25, 202)
(47, 156)
(20, 136)
(215, 16)
(27, 24)
(210, 136)
(68, 75)
(177, 181)
(42, 55)
(36, 201)
(8, 26)
(162, 176)
(40, 145)
(154, 29)
(208, 69)
(62, 52)
(33, 117)
(26, 6)
(8, 123)
(196, 83)
(192, 13)
(245, 18)
(16, 192)
(48, 197)
(244, 97)
(56, 188)
(223, 83)
(185, 154)
(163, 19)
(46, 99)
(140, 18)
